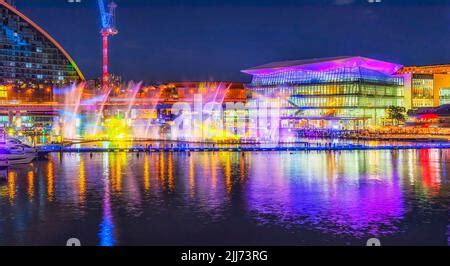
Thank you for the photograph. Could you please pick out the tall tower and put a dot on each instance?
(108, 29)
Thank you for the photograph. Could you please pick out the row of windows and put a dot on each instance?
(31, 50)
(27, 56)
(444, 96)
(317, 90)
(333, 76)
(353, 112)
(346, 101)
(423, 92)
(417, 102)
(18, 70)
(34, 48)
(60, 61)
(48, 78)
(422, 88)
(444, 92)
(13, 78)
(423, 83)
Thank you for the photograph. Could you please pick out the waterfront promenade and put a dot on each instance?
(247, 148)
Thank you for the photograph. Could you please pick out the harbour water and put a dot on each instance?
(229, 198)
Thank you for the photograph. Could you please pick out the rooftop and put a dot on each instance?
(426, 69)
(325, 64)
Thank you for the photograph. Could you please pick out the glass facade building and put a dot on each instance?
(422, 90)
(31, 61)
(444, 96)
(345, 93)
(426, 86)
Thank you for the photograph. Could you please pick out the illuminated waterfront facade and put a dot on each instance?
(32, 64)
(426, 86)
(31, 61)
(342, 93)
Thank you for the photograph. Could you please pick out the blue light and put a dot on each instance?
(12, 36)
(106, 233)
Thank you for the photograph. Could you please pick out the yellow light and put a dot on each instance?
(117, 129)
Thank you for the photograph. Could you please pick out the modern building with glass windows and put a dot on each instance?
(32, 64)
(426, 86)
(31, 61)
(342, 93)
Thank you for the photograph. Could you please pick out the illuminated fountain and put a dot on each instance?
(150, 129)
(69, 119)
(134, 88)
(99, 115)
(166, 112)
(201, 116)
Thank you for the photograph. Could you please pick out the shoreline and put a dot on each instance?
(252, 149)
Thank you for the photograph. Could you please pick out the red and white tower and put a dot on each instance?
(108, 29)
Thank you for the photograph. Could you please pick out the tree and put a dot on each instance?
(397, 113)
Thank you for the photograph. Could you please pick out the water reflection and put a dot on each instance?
(334, 197)
(229, 198)
(106, 233)
(146, 173)
(30, 176)
(191, 176)
(82, 181)
(50, 178)
(12, 186)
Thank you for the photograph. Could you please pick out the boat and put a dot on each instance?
(14, 152)
(17, 144)
(16, 155)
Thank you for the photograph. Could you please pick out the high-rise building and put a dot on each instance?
(31, 61)
(344, 93)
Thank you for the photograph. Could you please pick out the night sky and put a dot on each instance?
(193, 40)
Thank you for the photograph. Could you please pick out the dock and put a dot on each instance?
(45, 150)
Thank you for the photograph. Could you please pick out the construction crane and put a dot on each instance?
(108, 29)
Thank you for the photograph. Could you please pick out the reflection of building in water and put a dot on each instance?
(106, 227)
(147, 181)
(50, 181)
(82, 181)
(30, 180)
(191, 176)
(118, 166)
(330, 194)
(431, 180)
(170, 178)
(12, 185)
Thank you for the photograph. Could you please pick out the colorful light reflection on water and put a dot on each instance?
(266, 198)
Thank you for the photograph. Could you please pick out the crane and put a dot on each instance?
(108, 29)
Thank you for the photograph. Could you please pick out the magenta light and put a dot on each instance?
(325, 64)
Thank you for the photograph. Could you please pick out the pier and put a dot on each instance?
(44, 150)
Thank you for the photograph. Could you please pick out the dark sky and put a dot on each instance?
(182, 40)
